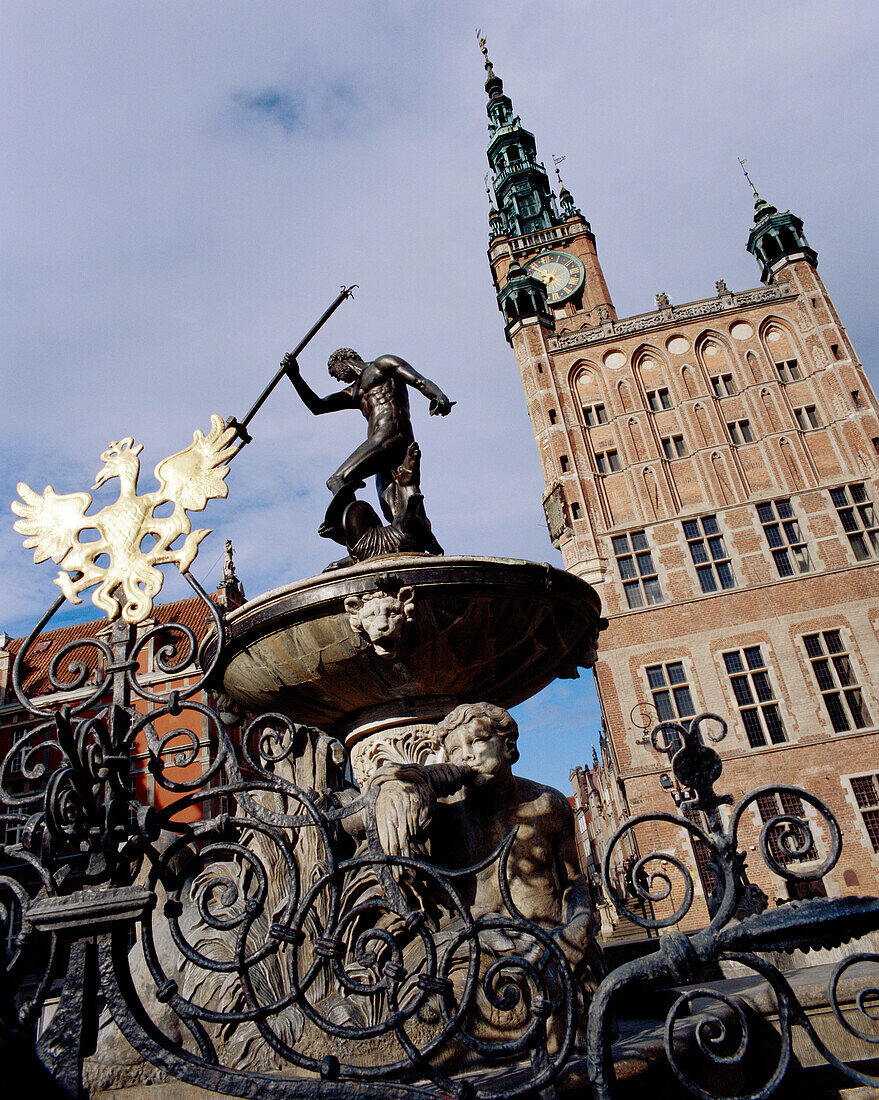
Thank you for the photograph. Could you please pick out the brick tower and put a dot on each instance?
(712, 469)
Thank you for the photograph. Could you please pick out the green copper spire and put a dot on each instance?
(776, 239)
(523, 198)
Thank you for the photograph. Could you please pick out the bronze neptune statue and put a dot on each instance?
(380, 390)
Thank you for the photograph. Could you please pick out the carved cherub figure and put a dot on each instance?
(381, 617)
(546, 883)
(544, 874)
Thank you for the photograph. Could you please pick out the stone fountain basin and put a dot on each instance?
(492, 629)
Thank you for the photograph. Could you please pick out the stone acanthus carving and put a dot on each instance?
(721, 287)
(662, 300)
(674, 314)
(414, 744)
(381, 617)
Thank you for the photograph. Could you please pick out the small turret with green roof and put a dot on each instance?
(776, 239)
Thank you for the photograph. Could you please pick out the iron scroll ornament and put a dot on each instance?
(723, 1035)
(296, 930)
(272, 929)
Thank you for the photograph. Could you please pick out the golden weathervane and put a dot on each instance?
(132, 536)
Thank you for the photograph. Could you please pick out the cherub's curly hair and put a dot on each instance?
(503, 723)
(337, 360)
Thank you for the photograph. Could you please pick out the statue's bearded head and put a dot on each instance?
(341, 364)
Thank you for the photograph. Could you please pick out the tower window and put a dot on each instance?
(594, 414)
(11, 831)
(834, 350)
(637, 570)
(723, 386)
(607, 462)
(709, 553)
(575, 510)
(563, 462)
(671, 692)
(540, 368)
(789, 370)
(856, 399)
(807, 417)
(834, 674)
(706, 862)
(552, 416)
(858, 519)
(865, 788)
(772, 804)
(658, 399)
(740, 431)
(673, 446)
(782, 531)
(754, 696)
(15, 765)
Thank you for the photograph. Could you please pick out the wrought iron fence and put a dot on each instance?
(740, 928)
(274, 935)
(280, 952)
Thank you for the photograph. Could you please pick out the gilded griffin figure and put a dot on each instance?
(54, 521)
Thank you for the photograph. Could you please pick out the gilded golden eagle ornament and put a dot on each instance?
(133, 539)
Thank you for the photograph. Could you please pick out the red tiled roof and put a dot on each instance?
(190, 612)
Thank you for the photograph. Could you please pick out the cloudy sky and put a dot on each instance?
(187, 184)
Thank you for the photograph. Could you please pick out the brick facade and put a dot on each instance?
(715, 467)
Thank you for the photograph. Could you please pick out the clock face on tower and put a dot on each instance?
(560, 271)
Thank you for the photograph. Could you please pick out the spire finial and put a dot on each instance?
(743, 162)
(762, 208)
(493, 84)
(492, 211)
(565, 196)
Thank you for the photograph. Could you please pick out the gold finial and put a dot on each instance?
(133, 539)
(480, 38)
(556, 162)
(743, 162)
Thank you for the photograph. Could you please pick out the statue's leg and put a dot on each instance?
(380, 452)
